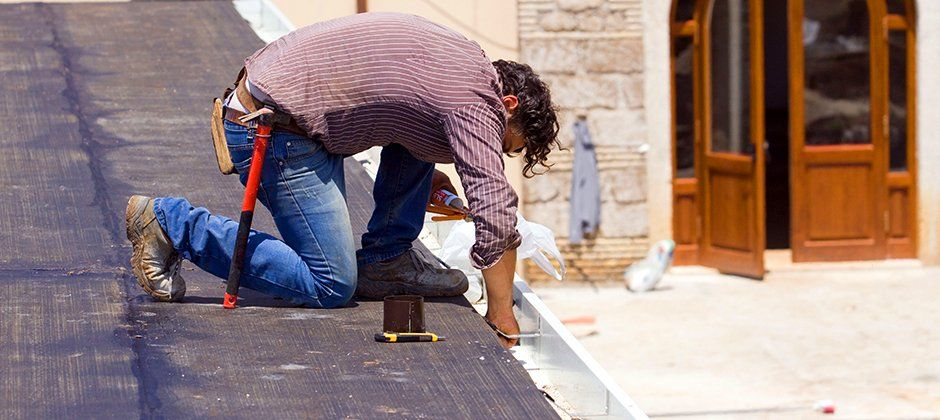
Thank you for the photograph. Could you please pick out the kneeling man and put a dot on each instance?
(423, 92)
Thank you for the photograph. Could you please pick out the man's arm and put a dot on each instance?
(498, 280)
(476, 133)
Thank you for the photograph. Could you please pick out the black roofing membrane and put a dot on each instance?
(101, 101)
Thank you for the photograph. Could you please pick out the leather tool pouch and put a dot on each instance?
(222, 156)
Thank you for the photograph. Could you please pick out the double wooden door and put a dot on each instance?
(839, 171)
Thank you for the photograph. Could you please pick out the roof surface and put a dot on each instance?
(101, 101)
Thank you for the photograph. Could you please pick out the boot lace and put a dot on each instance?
(419, 262)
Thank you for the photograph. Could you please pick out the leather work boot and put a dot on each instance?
(409, 274)
(155, 263)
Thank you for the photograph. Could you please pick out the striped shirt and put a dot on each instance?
(375, 79)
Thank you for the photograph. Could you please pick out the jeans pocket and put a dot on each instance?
(298, 147)
(239, 146)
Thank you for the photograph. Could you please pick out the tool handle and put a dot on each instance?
(407, 337)
(262, 133)
(448, 218)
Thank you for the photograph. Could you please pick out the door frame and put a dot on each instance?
(902, 201)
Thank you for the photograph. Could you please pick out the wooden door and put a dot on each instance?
(838, 156)
(732, 173)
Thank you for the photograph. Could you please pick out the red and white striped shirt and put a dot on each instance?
(375, 79)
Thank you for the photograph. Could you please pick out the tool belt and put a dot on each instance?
(281, 121)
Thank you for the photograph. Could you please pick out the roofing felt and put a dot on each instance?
(101, 101)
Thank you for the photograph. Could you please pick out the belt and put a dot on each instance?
(233, 115)
(252, 104)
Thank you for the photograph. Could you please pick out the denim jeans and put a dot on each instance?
(303, 186)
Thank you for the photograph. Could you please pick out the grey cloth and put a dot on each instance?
(585, 186)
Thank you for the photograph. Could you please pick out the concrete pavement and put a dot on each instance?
(706, 345)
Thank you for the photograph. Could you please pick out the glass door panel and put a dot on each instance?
(684, 102)
(730, 77)
(837, 89)
(897, 95)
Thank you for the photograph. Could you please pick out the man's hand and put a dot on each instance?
(499, 279)
(441, 180)
(440, 204)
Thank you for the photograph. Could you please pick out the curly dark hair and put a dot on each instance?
(535, 115)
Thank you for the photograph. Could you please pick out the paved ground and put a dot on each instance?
(719, 346)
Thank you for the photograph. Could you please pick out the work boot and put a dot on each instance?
(409, 274)
(155, 262)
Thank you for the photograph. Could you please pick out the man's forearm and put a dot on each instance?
(499, 279)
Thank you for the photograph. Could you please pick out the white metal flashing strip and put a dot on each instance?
(555, 359)
(558, 358)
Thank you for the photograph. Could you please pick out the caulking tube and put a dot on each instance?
(443, 197)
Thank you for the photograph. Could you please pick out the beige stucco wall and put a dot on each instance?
(491, 23)
(305, 12)
(928, 129)
(657, 103)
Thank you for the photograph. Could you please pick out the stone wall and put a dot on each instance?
(591, 54)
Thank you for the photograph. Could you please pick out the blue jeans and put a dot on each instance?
(303, 186)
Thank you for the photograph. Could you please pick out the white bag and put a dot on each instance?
(537, 240)
(644, 275)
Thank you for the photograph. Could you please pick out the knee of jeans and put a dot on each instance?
(340, 297)
(342, 286)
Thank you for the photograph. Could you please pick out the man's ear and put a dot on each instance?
(510, 102)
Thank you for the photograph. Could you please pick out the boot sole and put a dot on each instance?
(380, 289)
(136, 206)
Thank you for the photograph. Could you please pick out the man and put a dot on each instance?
(421, 91)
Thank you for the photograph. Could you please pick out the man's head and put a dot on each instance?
(533, 126)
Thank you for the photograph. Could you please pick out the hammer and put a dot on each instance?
(259, 128)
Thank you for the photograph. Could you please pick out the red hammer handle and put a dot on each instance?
(262, 134)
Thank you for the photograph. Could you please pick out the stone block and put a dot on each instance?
(624, 220)
(621, 127)
(619, 22)
(566, 119)
(552, 55)
(557, 21)
(624, 186)
(621, 55)
(631, 91)
(554, 185)
(584, 91)
(590, 22)
(569, 56)
(579, 5)
(554, 215)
